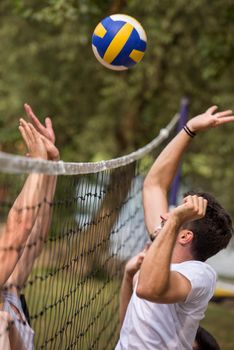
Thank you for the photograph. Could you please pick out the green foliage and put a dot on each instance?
(47, 61)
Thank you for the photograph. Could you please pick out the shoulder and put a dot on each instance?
(195, 268)
(201, 276)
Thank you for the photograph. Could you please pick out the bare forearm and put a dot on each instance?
(42, 224)
(20, 221)
(159, 179)
(24, 211)
(29, 195)
(125, 296)
(155, 269)
(44, 216)
(36, 239)
(165, 166)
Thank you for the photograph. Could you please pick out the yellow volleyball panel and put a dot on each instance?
(136, 55)
(118, 43)
(100, 30)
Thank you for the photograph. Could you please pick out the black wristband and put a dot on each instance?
(191, 132)
(188, 131)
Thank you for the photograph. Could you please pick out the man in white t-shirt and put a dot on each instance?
(166, 288)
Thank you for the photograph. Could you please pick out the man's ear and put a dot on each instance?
(185, 237)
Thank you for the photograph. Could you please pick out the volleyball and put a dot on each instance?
(119, 42)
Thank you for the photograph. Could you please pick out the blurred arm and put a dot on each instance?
(158, 180)
(157, 283)
(38, 236)
(20, 221)
(160, 176)
(45, 138)
(129, 280)
(23, 214)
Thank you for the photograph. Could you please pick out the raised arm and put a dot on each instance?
(22, 215)
(128, 283)
(39, 233)
(158, 181)
(157, 283)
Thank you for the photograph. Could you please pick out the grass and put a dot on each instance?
(67, 314)
(89, 320)
(219, 321)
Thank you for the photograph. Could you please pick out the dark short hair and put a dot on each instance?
(205, 341)
(213, 232)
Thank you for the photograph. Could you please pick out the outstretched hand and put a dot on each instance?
(46, 132)
(35, 144)
(52, 150)
(210, 119)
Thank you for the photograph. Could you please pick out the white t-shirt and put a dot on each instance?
(153, 326)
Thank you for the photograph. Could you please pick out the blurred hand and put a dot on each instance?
(134, 264)
(52, 150)
(210, 119)
(46, 132)
(33, 140)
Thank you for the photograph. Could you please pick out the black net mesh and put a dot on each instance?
(66, 239)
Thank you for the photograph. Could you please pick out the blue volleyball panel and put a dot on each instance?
(112, 28)
(133, 43)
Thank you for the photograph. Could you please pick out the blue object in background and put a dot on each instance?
(176, 183)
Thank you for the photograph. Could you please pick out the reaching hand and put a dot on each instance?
(210, 119)
(33, 140)
(134, 264)
(192, 208)
(47, 130)
(52, 150)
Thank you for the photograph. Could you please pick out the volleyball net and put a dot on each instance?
(80, 222)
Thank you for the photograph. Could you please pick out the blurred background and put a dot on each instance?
(47, 61)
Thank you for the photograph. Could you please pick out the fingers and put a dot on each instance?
(197, 205)
(32, 117)
(225, 120)
(49, 130)
(212, 109)
(27, 131)
(202, 205)
(28, 134)
(224, 117)
(221, 117)
(24, 135)
(48, 123)
(35, 135)
(224, 113)
(52, 151)
(46, 130)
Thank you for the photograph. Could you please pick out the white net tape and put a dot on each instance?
(18, 164)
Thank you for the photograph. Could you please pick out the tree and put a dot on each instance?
(47, 60)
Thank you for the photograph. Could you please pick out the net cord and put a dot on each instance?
(23, 165)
